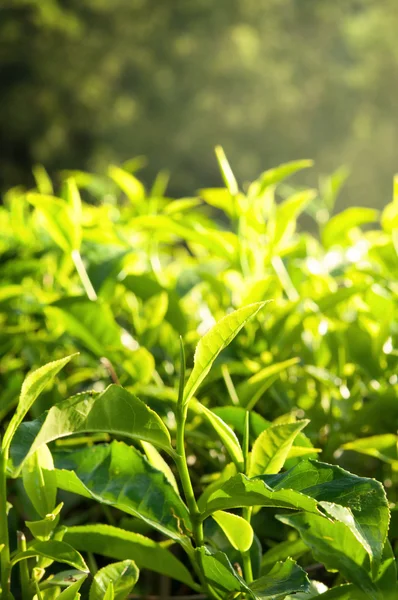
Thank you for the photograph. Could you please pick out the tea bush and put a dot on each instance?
(114, 461)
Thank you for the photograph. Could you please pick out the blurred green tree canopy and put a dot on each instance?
(86, 82)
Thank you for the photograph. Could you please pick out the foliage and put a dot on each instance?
(223, 480)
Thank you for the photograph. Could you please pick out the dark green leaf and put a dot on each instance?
(120, 476)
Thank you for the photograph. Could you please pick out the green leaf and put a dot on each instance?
(238, 531)
(158, 462)
(53, 550)
(283, 224)
(234, 416)
(334, 544)
(220, 573)
(39, 480)
(226, 171)
(110, 592)
(227, 473)
(119, 544)
(338, 227)
(145, 287)
(251, 390)
(43, 529)
(114, 410)
(129, 184)
(364, 497)
(240, 491)
(224, 432)
(284, 578)
(277, 174)
(32, 387)
(272, 447)
(64, 578)
(214, 341)
(71, 592)
(92, 323)
(59, 220)
(118, 475)
(289, 548)
(383, 447)
(123, 575)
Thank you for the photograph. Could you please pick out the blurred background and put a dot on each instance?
(89, 82)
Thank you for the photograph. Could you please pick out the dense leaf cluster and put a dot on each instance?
(209, 479)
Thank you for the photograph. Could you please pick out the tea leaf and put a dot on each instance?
(238, 531)
(39, 480)
(284, 578)
(71, 591)
(240, 491)
(334, 544)
(120, 476)
(272, 447)
(251, 390)
(122, 576)
(120, 544)
(53, 550)
(114, 411)
(32, 387)
(220, 573)
(224, 432)
(214, 341)
(364, 497)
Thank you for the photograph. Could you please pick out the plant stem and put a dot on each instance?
(84, 278)
(24, 569)
(183, 471)
(247, 566)
(247, 511)
(4, 538)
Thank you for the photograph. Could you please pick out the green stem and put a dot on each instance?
(247, 566)
(183, 471)
(247, 511)
(4, 538)
(84, 278)
(24, 569)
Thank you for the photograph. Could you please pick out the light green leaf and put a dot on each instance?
(238, 531)
(92, 323)
(251, 390)
(338, 227)
(110, 592)
(383, 447)
(71, 592)
(129, 184)
(277, 174)
(214, 341)
(42, 529)
(158, 462)
(240, 491)
(114, 410)
(58, 220)
(64, 578)
(120, 544)
(227, 473)
(39, 480)
(32, 387)
(224, 432)
(283, 224)
(118, 475)
(272, 447)
(284, 578)
(226, 171)
(121, 575)
(53, 550)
